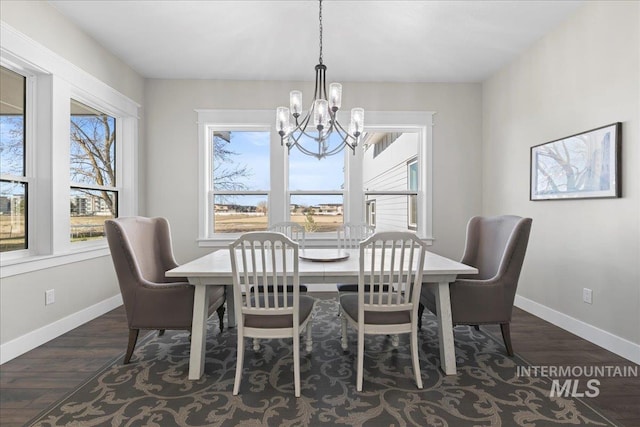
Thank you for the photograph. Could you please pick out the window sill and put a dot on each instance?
(32, 263)
(310, 241)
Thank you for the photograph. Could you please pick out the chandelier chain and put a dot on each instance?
(320, 19)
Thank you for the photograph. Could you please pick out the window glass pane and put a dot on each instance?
(309, 173)
(240, 160)
(93, 145)
(388, 169)
(89, 209)
(317, 213)
(13, 208)
(12, 122)
(240, 213)
(412, 200)
(413, 176)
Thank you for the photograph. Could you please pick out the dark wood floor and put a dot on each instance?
(37, 379)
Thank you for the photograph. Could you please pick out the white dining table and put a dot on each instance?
(215, 269)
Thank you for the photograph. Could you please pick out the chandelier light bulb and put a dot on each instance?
(282, 120)
(320, 113)
(357, 120)
(295, 101)
(335, 96)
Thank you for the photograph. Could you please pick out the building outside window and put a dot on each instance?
(391, 181)
(412, 199)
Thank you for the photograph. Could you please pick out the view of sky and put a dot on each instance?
(251, 151)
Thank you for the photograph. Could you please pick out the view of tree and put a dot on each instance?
(227, 173)
(93, 154)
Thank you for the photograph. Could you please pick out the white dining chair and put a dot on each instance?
(263, 265)
(292, 230)
(349, 237)
(394, 259)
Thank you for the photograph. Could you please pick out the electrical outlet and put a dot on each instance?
(587, 295)
(49, 296)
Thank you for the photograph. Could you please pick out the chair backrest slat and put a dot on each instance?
(260, 262)
(351, 234)
(292, 230)
(395, 262)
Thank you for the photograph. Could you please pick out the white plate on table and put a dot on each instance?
(323, 255)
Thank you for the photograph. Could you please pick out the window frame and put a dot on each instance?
(354, 195)
(95, 187)
(412, 198)
(52, 82)
(27, 154)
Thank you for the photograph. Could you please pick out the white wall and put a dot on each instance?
(172, 145)
(83, 289)
(583, 75)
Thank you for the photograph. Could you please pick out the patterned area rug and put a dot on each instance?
(154, 390)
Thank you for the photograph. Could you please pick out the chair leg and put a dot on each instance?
(133, 337)
(296, 364)
(420, 313)
(360, 359)
(309, 338)
(220, 312)
(343, 320)
(395, 340)
(506, 336)
(239, 363)
(415, 357)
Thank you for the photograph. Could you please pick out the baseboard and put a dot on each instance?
(31, 340)
(604, 339)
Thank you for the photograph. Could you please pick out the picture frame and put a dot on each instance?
(581, 166)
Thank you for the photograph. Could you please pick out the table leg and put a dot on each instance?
(445, 329)
(231, 308)
(198, 331)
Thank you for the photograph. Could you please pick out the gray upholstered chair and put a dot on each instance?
(271, 259)
(394, 259)
(496, 247)
(141, 252)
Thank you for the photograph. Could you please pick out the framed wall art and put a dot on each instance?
(582, 166)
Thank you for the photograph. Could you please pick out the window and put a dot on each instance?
(391, 179)
(371, 212)
(92, 170)
(64, 170)
(277, 186)
(13, 146)
(412, 199)
(239, 180)
(316, 191)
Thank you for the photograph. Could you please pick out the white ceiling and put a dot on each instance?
(394, 41)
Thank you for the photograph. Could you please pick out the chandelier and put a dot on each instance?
(323, 113)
